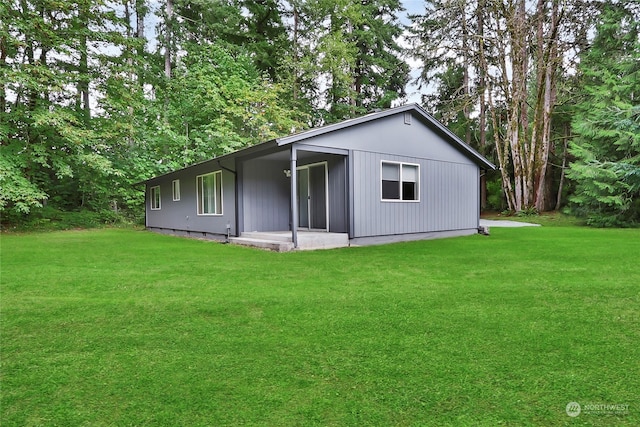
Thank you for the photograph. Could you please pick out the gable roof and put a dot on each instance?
(425, 117)
(422, 115)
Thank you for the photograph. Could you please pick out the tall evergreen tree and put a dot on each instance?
(606, 169)
(358, 60)
(265, 35)
(252, 26)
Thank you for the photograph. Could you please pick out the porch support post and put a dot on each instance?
(294, 195)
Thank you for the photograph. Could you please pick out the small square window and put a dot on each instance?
(176, 190)
(400, 181)
(155, 198)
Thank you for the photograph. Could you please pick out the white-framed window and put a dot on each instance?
(155, 198)
(400, 181)
(175, 187)
(209, 189)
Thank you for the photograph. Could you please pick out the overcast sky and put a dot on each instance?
(412, 7)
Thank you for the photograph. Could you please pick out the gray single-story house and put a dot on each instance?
(389, 176)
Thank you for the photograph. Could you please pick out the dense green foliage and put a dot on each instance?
(50, 148)
(119, 327)
(504, 77)
(606, 168)
(96, 96)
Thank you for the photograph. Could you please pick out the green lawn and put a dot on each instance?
(123, 327)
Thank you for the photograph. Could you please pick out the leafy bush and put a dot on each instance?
(495, 196)
(527, 212)
(50, 218)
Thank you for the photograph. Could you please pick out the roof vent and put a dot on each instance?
(407, 118)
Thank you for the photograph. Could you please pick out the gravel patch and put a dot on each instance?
(505, 223)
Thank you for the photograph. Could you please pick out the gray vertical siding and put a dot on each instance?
(182, 215)
(337, 194)
(448, 197)
(265, 195)
(391, 135)
(452, 195)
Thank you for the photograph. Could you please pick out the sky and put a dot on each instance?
(412, 7)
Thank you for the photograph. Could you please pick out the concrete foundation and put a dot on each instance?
(280, 241)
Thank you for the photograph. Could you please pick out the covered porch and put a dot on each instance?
(293, 196)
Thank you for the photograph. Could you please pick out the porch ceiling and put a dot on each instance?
(284, 155)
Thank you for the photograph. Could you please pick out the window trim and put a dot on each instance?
(217, 178)
(152, 192)
(400, 165)
(175, 185)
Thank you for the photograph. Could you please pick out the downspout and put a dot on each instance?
(294, 196)
(227, 169)
(347, 193)
(481, 229)
(146, 219)
(135, 186)
(235, 189)
(480, 175)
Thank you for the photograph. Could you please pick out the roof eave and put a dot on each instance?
(242, 152)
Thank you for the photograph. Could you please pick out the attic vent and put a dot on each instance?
(407, 118)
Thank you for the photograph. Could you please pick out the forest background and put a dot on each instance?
(98, 95)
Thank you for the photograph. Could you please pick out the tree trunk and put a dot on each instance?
(506, 46)
(3, 61)
(549, 64)
(500, 141)
(516, 129)
(482, 87)
(167, 48)
(502, 152)
(295, 53)
(565, 143)
(141, 12)
(465, 77)
(83, 65)
(520, 122)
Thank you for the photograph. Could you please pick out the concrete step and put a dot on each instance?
(281, 241)
(273, 245)
(275, 236)
(312, 241)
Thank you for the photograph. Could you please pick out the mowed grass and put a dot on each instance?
(123, 327)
